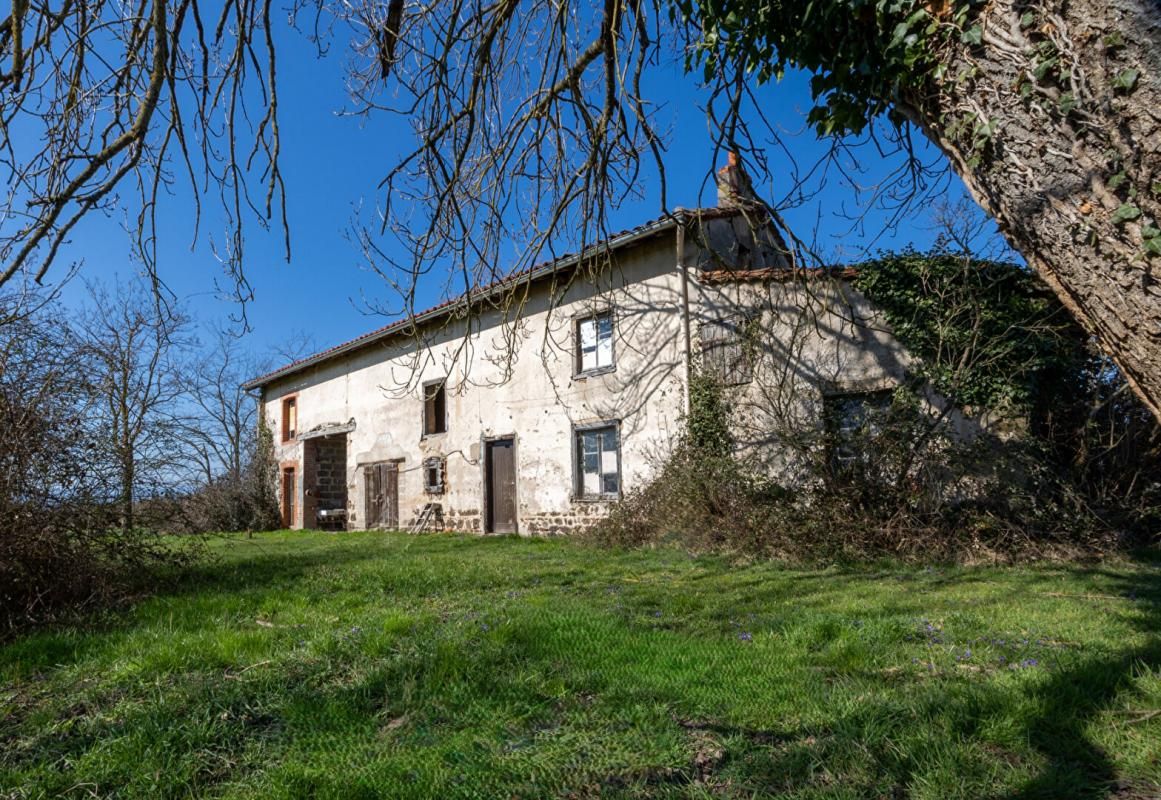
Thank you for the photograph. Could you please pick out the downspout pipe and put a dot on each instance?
(685, 323)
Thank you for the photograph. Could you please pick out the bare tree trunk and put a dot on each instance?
(1054, 123)
(127, 478)
(132, 346)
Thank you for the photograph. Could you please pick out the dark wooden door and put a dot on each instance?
(501, 486)
(382, 495)
(288, 495)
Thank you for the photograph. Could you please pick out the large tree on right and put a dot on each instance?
(1049, 110)
(532, 117)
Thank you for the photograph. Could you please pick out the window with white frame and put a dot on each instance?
(598, 461)
(594, 337)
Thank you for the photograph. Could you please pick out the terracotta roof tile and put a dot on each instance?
(779, 274)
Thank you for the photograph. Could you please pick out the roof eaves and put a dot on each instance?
(533, 273)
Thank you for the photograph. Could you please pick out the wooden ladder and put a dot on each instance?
(431, 511)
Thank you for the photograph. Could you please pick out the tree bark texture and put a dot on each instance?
(1054, 123)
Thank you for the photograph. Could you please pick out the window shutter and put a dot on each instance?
(725, 352)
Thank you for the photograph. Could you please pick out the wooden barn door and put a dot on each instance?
(500, 477)
(382, 495)
(289, 490)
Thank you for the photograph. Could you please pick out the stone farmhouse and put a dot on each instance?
(529, 405)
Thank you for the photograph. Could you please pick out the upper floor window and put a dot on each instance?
(435, 407)
(289, 418)
(594, 336)
(727, 350)
(598, 462)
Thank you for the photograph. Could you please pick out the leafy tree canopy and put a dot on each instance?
(866, 55)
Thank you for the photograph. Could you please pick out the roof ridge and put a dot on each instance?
(629, 235)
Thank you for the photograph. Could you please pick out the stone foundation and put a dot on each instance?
(577, 516)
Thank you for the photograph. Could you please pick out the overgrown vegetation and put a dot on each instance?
(702, 497)
(63, 541)
(989, 334)
(386, 665)
(245, 500)
(97, 437)
(1010, 438)
(992, 338)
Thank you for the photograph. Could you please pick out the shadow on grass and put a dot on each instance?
(265, 568)
(1079, 767)
(1066, 703)
(888, 732)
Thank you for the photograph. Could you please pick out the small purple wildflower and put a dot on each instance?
(745, 636)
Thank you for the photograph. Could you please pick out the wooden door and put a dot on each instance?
(381, 495)
(500, 477)
(289, 489)
(389, 480)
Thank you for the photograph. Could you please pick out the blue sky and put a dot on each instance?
(332, 164)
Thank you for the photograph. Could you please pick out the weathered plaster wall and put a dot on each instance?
(511, 373)
(813, 338)
(510, 378)
(816, 337)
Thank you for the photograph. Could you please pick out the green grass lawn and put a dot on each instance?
(383, 665)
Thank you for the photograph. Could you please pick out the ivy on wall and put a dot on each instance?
(708, 424)
(988, 334)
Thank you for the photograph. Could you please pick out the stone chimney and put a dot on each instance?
(734, 187)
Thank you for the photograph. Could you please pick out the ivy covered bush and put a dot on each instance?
(988, 334)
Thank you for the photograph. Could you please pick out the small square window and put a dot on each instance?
(433, 475)
(594, 337)
(289, 418)
(598, 462)
(435, 408)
